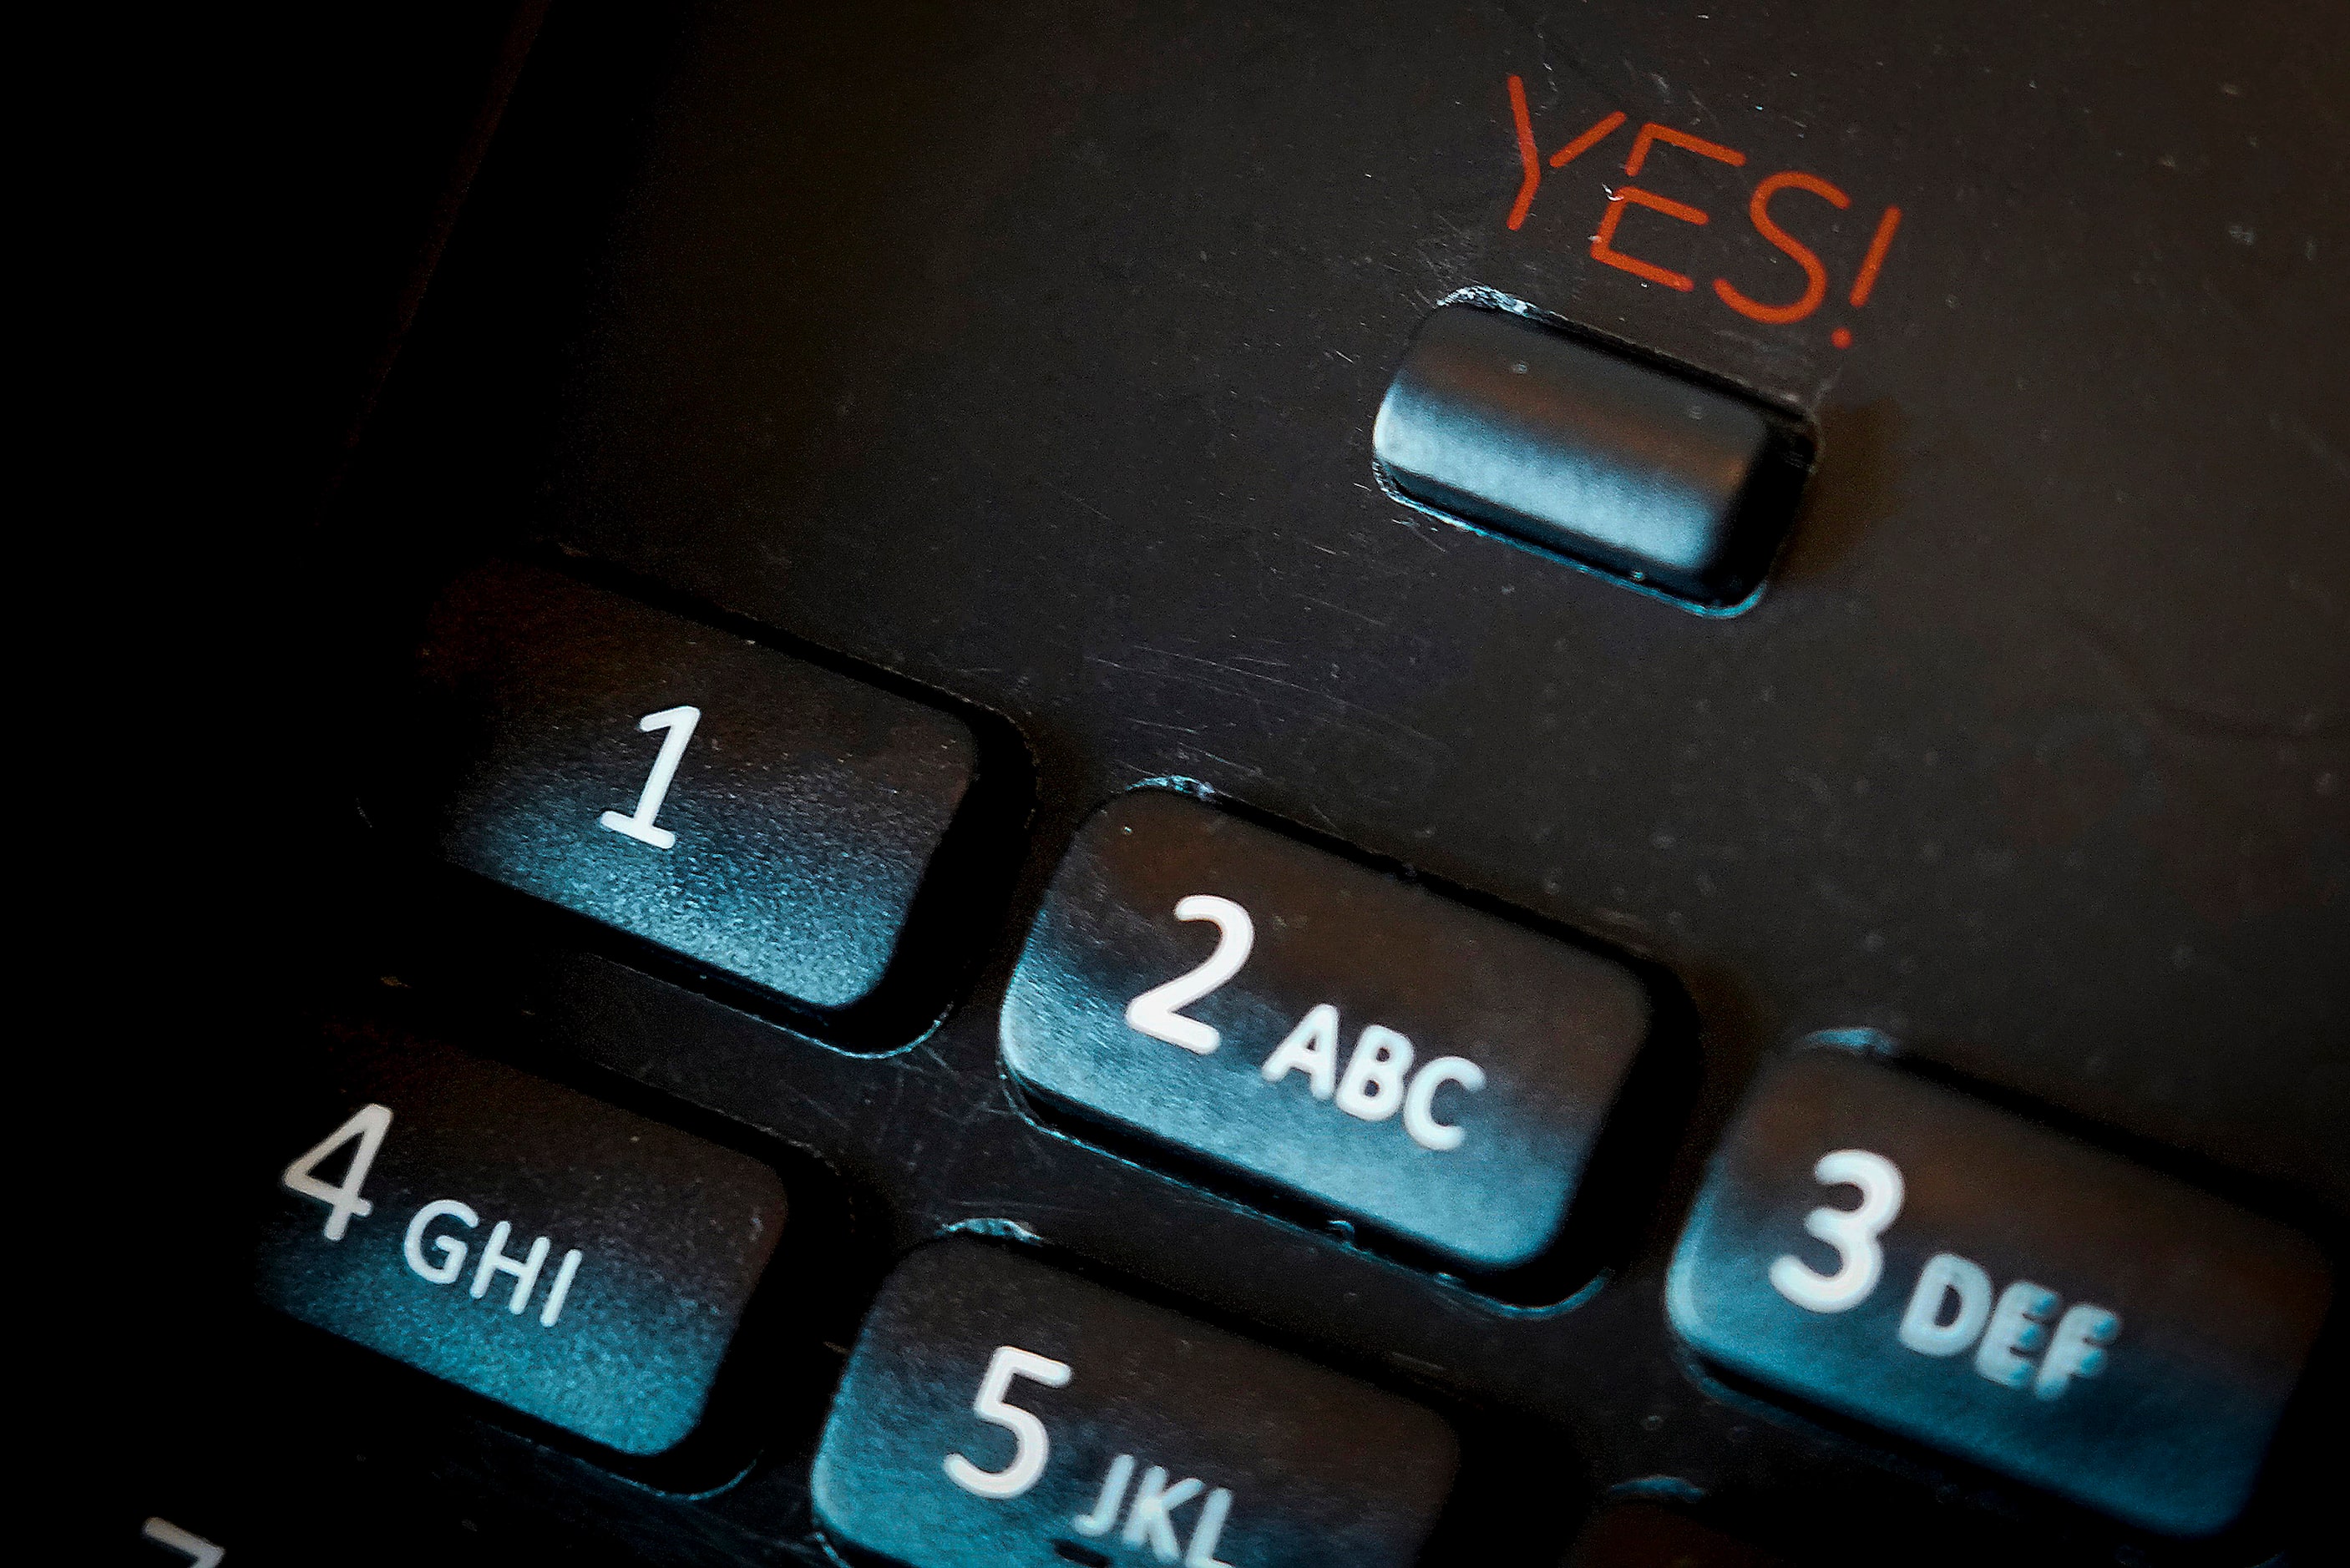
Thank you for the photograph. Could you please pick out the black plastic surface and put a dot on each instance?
(1027, 355)
(2036, 754)
(1153, 1418)
(1643, 1535)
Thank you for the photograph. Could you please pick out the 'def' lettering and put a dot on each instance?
(1952, 1307)
(1951, 1311)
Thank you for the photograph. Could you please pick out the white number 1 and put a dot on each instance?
(680, 724)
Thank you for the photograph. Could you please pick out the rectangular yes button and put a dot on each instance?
(1517, 427)
(1359, 1042)
(1892, 1250)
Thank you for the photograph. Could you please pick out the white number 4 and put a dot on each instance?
(342, 1202)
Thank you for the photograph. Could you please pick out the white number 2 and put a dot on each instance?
(680, 724)
(368, 1124)
(1031, 1445)
(1154, 1011)
(1853, 1232)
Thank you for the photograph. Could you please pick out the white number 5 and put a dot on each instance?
(1853, 1232)
(1031, 1445)
(1154, 1011)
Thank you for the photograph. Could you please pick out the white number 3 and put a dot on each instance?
(1853, 1232)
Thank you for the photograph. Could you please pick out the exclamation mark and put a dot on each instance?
(1870, 266)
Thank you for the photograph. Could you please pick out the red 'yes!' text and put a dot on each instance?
(1772, 188)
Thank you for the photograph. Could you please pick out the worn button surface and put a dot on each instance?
(998, 1410)
(1518, 426)
(1908, 1255)
(570, 1260)
(1384, 1052)
(745, 809)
